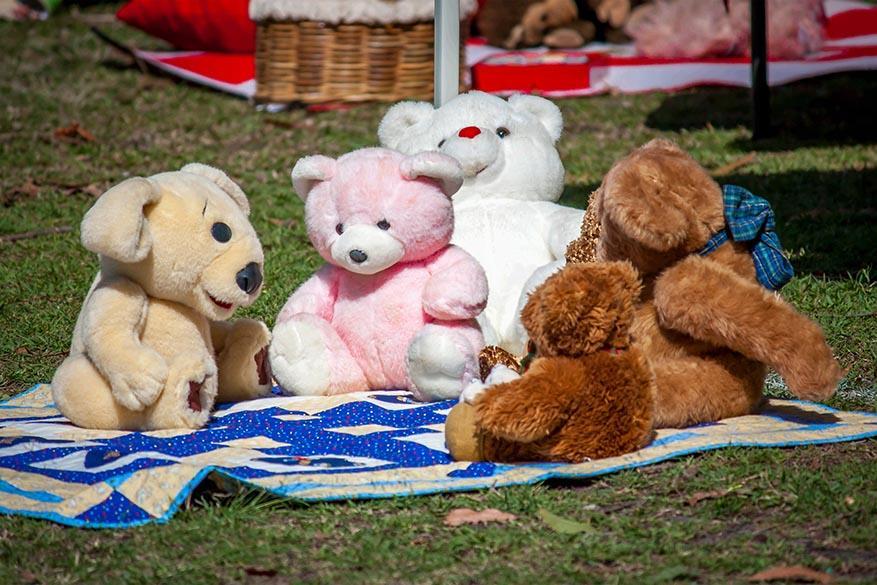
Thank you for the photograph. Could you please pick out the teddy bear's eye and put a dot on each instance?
(502, 132)
(220, 232)
(384, 224)
(339, 229)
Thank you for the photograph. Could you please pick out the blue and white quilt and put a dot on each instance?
(363, 445)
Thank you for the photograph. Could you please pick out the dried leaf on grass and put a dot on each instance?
(561, 524)
(27, 190)
(736, 164)
(791, 573)
(461, 516)
(698, 497)
(74, 133)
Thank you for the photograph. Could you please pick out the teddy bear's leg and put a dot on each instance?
(442, 359)
(241, 349)
(83, 395)
(713, 304)
(308, 358)
(693, 390)
(188, 396)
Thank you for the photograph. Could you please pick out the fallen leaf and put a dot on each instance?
(260, 572)
(22, 351)
(286, 223)
(562, 525)
(460, 516)
(738, 163)
(28, 577)
(792, 573)
(26, 190)
(74, 133)
(698, 497)
(93, 190)
(849, 500)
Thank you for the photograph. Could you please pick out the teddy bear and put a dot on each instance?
(710, 320)
(587, 393)
(713, 28)
(559, 24)
(395, 305)
(151, 347)
(506, 215)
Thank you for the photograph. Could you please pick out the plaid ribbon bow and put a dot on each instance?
(749, 218)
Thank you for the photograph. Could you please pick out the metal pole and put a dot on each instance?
(760, 88)
(447, 50)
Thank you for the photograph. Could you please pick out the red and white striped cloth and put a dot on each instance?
(851, 45)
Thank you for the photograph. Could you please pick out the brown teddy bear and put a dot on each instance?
(586, 394)
(708, 322)
(151, 349)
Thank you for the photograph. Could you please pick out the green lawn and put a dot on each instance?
(815, 506)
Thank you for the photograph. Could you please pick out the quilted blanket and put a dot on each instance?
(363, 445)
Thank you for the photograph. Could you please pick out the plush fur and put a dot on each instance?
(395, 305)
(706, 326)
(588, 394)
(795, 28)
(150, 349)
(505, 211)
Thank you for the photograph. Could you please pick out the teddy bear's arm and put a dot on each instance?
(457, 287)
(713, 304)
(113, 319)
(563, 226)
(316, 296)
(536, 404)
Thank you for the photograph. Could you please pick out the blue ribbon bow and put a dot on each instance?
(749, 218)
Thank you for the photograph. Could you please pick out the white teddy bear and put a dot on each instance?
(506, 215)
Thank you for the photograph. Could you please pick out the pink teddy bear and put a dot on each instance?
(395, 306)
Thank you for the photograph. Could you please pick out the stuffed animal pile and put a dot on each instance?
(395, 305)
(151, 349)
(506, 215)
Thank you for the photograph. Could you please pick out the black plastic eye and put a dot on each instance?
(339, 229)
(220, 232)
(502, 132)
(441, 143)
(384, 224)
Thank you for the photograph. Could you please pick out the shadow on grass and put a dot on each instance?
(832, 110)
(826, 219)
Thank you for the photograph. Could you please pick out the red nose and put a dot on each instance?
(469, 132)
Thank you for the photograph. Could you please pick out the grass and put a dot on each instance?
(815, 506)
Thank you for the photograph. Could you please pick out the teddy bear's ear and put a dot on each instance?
(399, 120)
(434, 165)
(310, 171)
(115, 226)
(542, 109)
(221, 179)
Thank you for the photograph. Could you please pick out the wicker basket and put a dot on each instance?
(310, 62)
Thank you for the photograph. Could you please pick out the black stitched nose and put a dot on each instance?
(358, 256)
(249, 278)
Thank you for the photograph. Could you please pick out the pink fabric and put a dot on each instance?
(702, 28)
(369, 320)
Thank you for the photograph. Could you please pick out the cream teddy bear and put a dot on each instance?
(151, 348)
(505, 212)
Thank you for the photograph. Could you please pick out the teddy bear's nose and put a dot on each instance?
(249, 278)
(469, 132)
(358, 256)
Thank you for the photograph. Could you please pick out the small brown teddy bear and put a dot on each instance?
(707, 323)
(587, 394)
(151, 349)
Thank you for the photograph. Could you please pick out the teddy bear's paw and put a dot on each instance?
(817, 384)
(501, 374)
(471, 392)
(437, 366)
(298, 359)
(244, 367)
(140, 386)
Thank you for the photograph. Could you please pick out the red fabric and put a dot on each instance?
(195, 25)
(852, 23)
